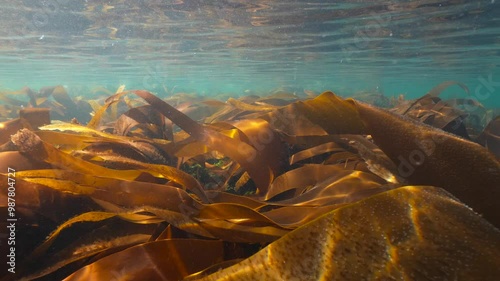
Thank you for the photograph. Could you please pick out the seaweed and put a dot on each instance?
(272, 188)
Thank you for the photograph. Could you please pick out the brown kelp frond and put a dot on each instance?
(463, 117)
(268, 188)
(114, 99)
(247, 156)
(490, 137)
(432, 94)
(28, 142)
(171, 259)
(392, 233)
(325, 114)
(425, 155)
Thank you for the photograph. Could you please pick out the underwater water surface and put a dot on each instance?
(249, 140)
(393, 47)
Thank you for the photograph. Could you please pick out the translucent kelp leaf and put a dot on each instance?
(426, 155)
(226, 197)
(88, 217)
(248, 157)
(433, 93)
(76, 257)
(67, 142)
(314, 151)
(160, 260)
(324, 114)
(307, 175)
(376, 160)
(75, 137)
(47, 202)
(19, 162)
(237, 223)
(440, 114)
(411, 232)
(11, 101)
(61, 96)
(29, 143)
(433, 111)
(96, 119)
(259, 134)
(143, 121)
(296, 216)
(30, 118)
(343, 186)
(250, 107)
(490, 137)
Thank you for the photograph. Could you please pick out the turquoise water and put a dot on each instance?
(238, 47)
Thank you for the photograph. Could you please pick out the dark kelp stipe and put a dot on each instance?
(264, 188)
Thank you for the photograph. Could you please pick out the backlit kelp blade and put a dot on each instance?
(393, 235)
(31, 118)
(246, 155)
(425, 155)
(324, 114)
(28, 142)
(91, 217)
(160, 260)
(256, 171)
(111, 101)
(406, 107)
(490, 137)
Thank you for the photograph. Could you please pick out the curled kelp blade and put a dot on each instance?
(30, 118)
(343, 186)
(78, 246)
(29, 143)
(324, 114)
(167, 202)
(143, 121)
(236, 223)
(423, 155)
(413, 232)
(490, 137)
(247, 156)
(92, 217)
(76, 257)
(160, 260)
(433, 93)
(111, 101)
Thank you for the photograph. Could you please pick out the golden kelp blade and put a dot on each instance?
(246, 155)
(29, 143)
(28, 118)
(433, 93)
(109, 102)
(160, 260)
(490, 137)
(428, 156)
(410, 233)
(324, 114)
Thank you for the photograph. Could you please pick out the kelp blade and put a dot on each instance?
(410, 233)
(160, 260)
(428, 156)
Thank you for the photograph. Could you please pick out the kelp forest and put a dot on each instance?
(130, 185)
